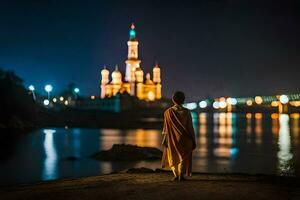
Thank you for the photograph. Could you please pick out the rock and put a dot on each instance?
(125, 152)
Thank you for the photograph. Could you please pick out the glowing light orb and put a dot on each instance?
(31, 88)
(258, 100)
(190, 106)
(284, 99)
(93, 97)
(151, 96)
(48, 88)
(216, 105)
(231, 101)
(46, 102)
(54, 100)
(132, 33)
(203, 104)
(61, 98)
(249, 102)
(66, 102)
(274, 103)
(76, 90)
(222, 104)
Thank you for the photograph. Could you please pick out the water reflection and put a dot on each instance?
(50, 163)
(226, 142)
(284, 142)
(258, 128)
(248, 126)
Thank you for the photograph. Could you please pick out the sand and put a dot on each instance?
(158, 185)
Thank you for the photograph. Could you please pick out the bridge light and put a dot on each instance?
(216, 105)
(284, 99)
(222, 104)
(203, 104)
(249, 102)
(190, 106)
(231, 101)
(258, 100)
(274, 103)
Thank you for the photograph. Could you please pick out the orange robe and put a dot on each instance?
(180, 139)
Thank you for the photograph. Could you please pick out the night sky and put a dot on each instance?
(205, 48)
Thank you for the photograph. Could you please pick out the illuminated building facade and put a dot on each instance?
(133, 83)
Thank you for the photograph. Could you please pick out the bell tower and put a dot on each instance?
(132, 62)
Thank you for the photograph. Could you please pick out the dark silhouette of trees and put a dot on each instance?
(17, 107)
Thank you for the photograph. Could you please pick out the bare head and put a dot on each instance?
(178, 98)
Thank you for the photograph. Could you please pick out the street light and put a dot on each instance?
(46, 102)
(48, 89)
(31, 88)
(76, 90)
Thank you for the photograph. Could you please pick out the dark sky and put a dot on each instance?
(205, 48)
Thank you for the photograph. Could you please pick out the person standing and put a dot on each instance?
(178, 138)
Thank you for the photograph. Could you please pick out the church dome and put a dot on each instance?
(104, 71)
(148, 80)
(116, 76)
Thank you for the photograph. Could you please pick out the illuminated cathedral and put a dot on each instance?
(134, 82)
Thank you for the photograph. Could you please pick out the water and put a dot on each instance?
(226, 142)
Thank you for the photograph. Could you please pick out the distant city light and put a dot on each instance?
(216, 105)
(93, 97)
(231, 101)
(46, 102)
(48, 88)
(203, 104)
(54, 100)
(66, 102)
(295, 103)
(61, 98)
(258, 100)
(76, 90)
(274, 103)
(249, 102)
(190, 106)
(284, 99)
(222, 104)
(31, 88)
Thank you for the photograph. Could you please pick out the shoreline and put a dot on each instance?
(136, 184)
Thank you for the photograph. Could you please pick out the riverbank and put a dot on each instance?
(157, 185)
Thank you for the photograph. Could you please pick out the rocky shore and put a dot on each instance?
(148, 184)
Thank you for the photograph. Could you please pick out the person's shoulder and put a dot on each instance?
(167, 110)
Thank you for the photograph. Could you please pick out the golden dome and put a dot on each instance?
(116, 76)
(104, 71)
(148, 80)
(116, 73)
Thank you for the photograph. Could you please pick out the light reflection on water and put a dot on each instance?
(284, 154)
(226, 142)
(50, 162)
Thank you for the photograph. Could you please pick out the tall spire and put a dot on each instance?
(132, 34)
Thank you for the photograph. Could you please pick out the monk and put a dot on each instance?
(178, 138)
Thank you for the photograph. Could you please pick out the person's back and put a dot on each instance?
(179, 138)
